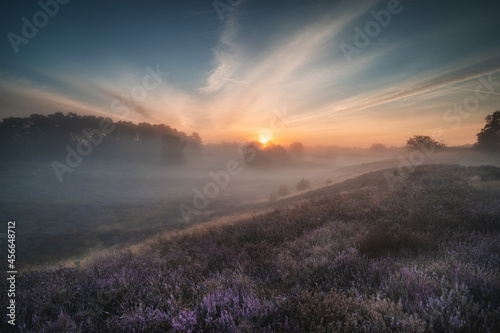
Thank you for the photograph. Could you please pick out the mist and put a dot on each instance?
(116, 189)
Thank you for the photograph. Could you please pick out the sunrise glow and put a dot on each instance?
(318, 78)
(250, 165)
(264, 142)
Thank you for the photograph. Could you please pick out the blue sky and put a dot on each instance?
(227, 79)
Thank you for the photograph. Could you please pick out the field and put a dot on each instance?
(250, 166)
(103, 205)
(352, 256)
(106, 205)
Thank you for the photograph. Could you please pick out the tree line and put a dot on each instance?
(44, 137)
(487, 140)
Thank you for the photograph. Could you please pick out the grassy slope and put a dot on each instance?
(350, 257)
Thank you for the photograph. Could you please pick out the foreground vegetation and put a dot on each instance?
(349, 257)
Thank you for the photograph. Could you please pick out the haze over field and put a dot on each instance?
(250, 165)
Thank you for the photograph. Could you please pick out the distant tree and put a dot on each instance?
(269, 156)
(276, 154)
(273, 197)
(489, 137)
(172, 149)
(196, 138)
(378, 147)
(424, 143)
(303, 184)
(296, 149)
(283, 190)
(194, 141)
(44, 137)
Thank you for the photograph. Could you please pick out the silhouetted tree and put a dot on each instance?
(489, 137)
(303, 184)
(296, 149)
(424, 143)
(36, 136)
(378, 147)
(46, 136)
(194, 142)
(269, 156)
(283, 190)
(273, 197)
(172, 149)
(195, 138)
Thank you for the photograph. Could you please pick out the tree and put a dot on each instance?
(271, 155)
(296, 149)
(172, 149)
(424, 143)
(303, 184)
(196, 138)
(194, 141)
(489, 137)
(44, 137)
(378, 147)
(283, 191)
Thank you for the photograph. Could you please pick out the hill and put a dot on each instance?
(353, 256)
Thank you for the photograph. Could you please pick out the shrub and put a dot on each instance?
(384, 237)
(283, 190)
(273, 197)
(303, 184)
(336, 311)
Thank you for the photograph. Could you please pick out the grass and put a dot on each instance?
(351, 257)
(102, 205)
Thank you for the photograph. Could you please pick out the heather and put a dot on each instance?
(350, 257)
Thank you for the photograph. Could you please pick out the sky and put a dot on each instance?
(346, 73)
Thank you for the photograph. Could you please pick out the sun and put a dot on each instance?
(264, 138)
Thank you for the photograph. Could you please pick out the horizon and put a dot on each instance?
(250, 165)
(322, 73)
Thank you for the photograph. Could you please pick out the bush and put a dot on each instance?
(283, 190)
(303, 184)
(336, 311)
(385, 237)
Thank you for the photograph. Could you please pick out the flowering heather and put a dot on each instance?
(351, 257)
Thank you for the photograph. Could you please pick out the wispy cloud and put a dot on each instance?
(300, 66)
(295, 68)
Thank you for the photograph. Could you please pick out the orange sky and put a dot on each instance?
(293, 78)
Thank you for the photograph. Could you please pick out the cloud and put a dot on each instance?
(297, 64)
(398, 88)
(23, 98)
(294, 68)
